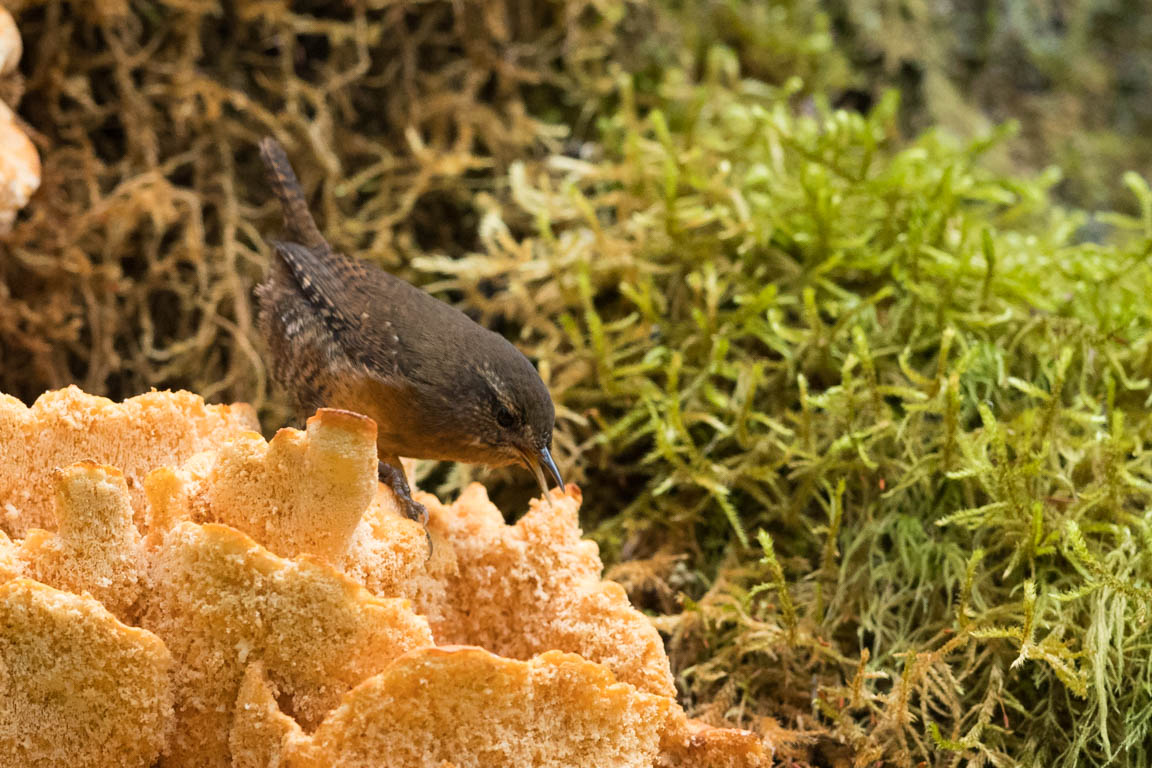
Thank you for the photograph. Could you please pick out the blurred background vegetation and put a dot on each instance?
(843, 306)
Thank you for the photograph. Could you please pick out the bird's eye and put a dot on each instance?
(504, 417)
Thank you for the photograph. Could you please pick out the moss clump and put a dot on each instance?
(1073, 74)
(904, 371)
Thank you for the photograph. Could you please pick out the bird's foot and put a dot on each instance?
(393, 476)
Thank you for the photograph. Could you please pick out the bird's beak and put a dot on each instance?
(546, 460)
(540, 462)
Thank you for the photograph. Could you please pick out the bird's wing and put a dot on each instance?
(358, 303)
(370, 314)
(324, 277)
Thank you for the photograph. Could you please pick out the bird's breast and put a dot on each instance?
(411, 422)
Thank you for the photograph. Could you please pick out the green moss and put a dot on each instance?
(1075, 75)
(901, 369)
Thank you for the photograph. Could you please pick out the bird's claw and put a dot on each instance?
(393, 476)
(417, 512)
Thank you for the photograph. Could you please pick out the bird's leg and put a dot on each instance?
(391, 473)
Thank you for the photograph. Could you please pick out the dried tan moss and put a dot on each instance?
(134, 266)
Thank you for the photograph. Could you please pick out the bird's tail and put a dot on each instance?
(297, 218)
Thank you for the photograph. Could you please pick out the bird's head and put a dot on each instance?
(514, 415)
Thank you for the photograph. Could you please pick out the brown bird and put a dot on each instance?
(346, 334)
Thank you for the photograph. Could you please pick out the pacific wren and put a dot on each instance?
(345, 334)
